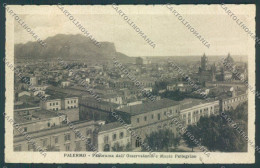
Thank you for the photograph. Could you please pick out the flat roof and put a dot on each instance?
(110, 126)
(188, 103)
(36, 116)
(149, 106)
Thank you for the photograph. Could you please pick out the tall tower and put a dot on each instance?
(204, 62)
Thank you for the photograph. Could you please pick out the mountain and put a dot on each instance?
(68, 47)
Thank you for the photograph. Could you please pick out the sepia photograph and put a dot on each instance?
(130, 84)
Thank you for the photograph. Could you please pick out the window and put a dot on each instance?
(49, 124)
(165, 113)
(88, 132)
(77, 134)
(44, 142)
(106, 139)
(18, 148)
(159, 116)
(152, 116)
(75, 106)
(78, 148)
(30, 147)
(71, 101)
(67, 137)
(56, 140)
(145, 118)
(74, 101)
(67, 146)
(137, 120)
(121, 135)
(137, 143)
(68, 102)
(89, 140)
(184, 116)
(114, 137)
(50, 104)
(170, 111)
(56, 103)
(57, 109)
(25, 129)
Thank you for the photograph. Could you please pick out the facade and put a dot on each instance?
(226, 103)
(93, 110)
(149, 117)
(65, 84)
(70, 103)
(112, 98)
(61, 138)
(37, 120)
(193, 109)
(39, 87)
(51, 104)
(113, 137)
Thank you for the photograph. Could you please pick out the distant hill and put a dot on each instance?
(69, 47)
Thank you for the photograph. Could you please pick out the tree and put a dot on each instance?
(193, 130)
(216, 133)
(176, 142)
(159, 141)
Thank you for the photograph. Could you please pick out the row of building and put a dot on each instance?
(48, 126)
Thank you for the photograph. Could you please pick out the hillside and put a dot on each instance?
(69, 47)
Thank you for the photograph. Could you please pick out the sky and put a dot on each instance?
(171, 37)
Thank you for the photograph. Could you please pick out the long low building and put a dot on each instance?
(150, 117)
(62, 138)
(236, 98)
(193, 109)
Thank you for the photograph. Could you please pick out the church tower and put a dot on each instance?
(204, 62)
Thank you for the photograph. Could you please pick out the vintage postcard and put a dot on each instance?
(130, 84)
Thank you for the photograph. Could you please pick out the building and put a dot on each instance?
(36, 120)
(112, 98)
(204, 63)
(68, 105)
(147, 61)
(149, 117)
(228, 102)
(51, 104)
(205, 73)
(193, 109)
(94, 110)
(113, 137)
(139, 61)
(61, 138)
(38, 87)
(182, 87)
(65, 84)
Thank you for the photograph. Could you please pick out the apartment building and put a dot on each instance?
(113, 137)
(61, 138)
